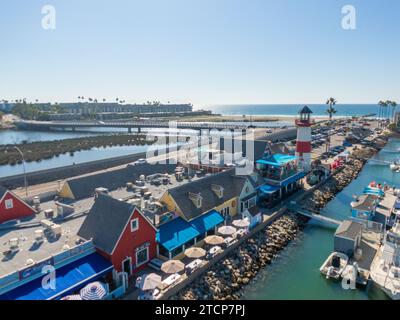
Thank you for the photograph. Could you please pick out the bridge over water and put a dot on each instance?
(140, 124)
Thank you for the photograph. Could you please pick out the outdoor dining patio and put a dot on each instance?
(171, 272)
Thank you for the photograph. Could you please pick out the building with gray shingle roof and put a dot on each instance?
(348, 237)
(105, 222)
(121, 233)
(84, 187)
(182, 196)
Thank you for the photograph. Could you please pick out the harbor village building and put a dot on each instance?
(200, 207)
(13, 207)
(120, 233)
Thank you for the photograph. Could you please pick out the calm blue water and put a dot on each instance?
(67, 159)
(295, 274)
(290, 109)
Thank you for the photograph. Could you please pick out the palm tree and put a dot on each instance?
(331, 110)
(382, 109)
(393, 104)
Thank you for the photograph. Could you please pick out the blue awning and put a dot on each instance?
(175, 233)
(277, 159)
(268, 189)
(294, 178)
(207, 221)
(68, 278)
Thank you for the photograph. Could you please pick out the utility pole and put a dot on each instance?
(23, 165)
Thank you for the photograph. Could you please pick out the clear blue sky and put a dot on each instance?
(201, 51)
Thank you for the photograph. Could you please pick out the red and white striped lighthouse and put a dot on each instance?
(303, 145)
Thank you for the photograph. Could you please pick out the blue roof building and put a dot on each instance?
(281, 177)
(178, 234)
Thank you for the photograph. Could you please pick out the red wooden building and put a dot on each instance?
(12, 207)
(120, 233)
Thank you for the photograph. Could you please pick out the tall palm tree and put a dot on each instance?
(331, 110)
(393, 104)
(382, 108)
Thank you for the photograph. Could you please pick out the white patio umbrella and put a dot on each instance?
(93, 291)
(172, 266)
(241, 223)
(150, 282)
(227, 230)
(214, 240)
(195, 252)
(72, 297)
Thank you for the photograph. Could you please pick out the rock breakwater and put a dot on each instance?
(37, 151)
(225, 279)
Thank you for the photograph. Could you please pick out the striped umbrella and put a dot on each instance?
(94, 291)
(72, 297)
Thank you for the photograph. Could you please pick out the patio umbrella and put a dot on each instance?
(195, 252)
(227, 230)
(214, 240)
(93, 291)
(150, 282)
(172, 266)
(242, 223)
(72, 297)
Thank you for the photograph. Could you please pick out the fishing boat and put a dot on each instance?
(335, 264)
(385, 269)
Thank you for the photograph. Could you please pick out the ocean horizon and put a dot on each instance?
(290, 110)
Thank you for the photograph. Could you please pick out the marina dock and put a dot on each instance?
(367, 241)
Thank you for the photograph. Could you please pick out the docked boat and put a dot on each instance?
(385, 269)
(394, 214)
(335, 264)
(395, 165)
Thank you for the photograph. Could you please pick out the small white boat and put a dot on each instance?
(334, 266)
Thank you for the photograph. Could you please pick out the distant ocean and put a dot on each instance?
(343, 110)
